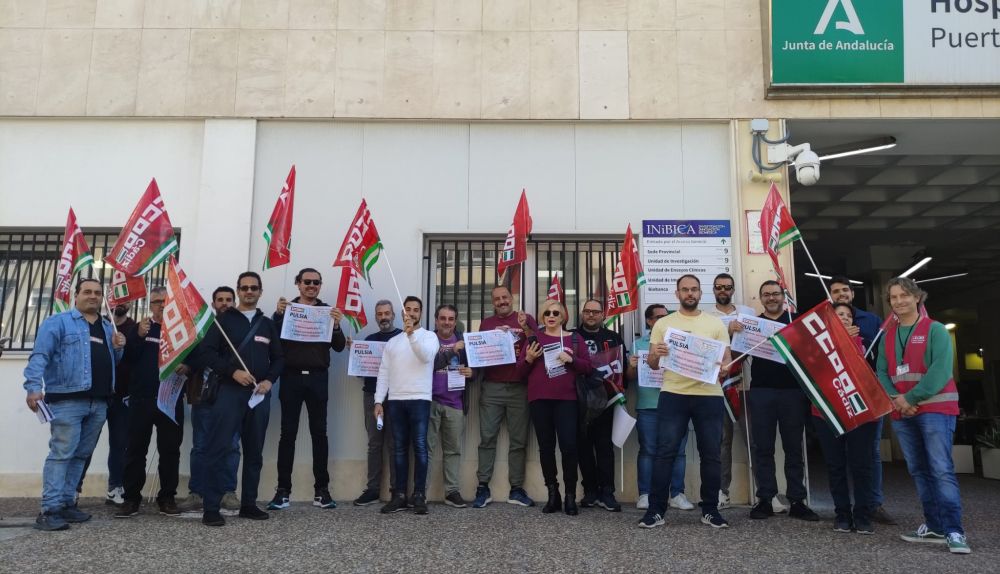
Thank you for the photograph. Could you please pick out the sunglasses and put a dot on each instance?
(249, 287)
(551, 313)
(723, 287)
(312, 281)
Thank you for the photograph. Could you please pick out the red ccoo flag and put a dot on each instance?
(279, 228)
(186, 319)
(515, 247)
(73, 257)
(349, 299)
(777, 229)
(556, 292)
(362, 244)
(628, 277)
(125, 289)
(147, 238)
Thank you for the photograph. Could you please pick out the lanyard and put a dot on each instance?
(899, 337)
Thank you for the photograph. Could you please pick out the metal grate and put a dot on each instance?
(463, 272)
(28, 261)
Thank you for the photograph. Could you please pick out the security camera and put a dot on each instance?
(803, 159)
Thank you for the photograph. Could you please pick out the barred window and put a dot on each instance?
(28, 259)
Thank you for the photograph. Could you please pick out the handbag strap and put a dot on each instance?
(254, 325)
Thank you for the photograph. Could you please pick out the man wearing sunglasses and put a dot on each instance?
(305, 380)
(261, 361)
(724, 289)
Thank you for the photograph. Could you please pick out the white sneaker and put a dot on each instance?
(681, 502)
(724, 501)
(777, 506)
(116, 496)
(643, 502)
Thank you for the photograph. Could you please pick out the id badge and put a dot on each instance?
(902, 369)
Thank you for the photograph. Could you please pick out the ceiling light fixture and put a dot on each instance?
(949, 326)
(858, 148)
(942, 278)
(915, 267)
(827, 277)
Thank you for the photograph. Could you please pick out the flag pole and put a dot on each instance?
(816, 269)
(107, 307)
(393, 276)
(231, 346)
(751, 349)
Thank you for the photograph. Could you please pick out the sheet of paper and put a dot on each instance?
(693, 356)
(456, 380)
(365, 358)
(621, 426)
(553, 365)
(307, 323)
(256, 399)
(170, 391)
(753, 339)
(489, 348)
(649, 378)
(44, 413)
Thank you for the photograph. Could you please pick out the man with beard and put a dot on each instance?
(684, 400)
(378, 438)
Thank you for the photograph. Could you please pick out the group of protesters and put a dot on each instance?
(87, 370)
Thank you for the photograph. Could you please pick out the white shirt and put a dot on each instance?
(407, 369)
(739, 310)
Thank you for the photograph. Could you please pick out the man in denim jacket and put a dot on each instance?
(73, 366)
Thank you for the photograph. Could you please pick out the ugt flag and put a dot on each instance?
(186, 319)
(556, 292)
(147, 238)
(777, 228)
(349, 299)
(361, 246)
(515, 247)
(125, 289)
(628, 277)
(74, 256)
(278, 234)
(830, 369)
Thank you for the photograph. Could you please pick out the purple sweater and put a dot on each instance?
(440, 392)
(562, 387)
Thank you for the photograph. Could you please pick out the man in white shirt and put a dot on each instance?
(405, 383)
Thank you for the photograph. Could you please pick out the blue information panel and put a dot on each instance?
(672, 248)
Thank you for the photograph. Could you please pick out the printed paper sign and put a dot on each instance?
(307, 323)
(489, 348)
(694, 357)
(756, 331)
(365, 358)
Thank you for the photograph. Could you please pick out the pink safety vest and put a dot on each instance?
(946, 400)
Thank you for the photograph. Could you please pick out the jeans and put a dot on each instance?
(169, 435)
(201, 418)
(876, 497)
(497, 402)
(674, 413)
(597, 453)
(313, 390)
(378, 440)
(646, 427)
(728, 431)
(926, 441)
(232, 415)
(409, 423)
(75, 427)
(848, 452)
(556, 419)
(446, 429)
(117, 443)
(788, 410)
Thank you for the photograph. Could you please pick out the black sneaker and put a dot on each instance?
(455, 499)
(651, 520)
(843, 523)
(280, 500)
(168, 507)
(50, 522)
(128, 510)
(761, 510)
(322, 499)
(419, 503)
(367, 497)
(863, 525)
(396, 504)
(882, 517)
(74, 515)
(607, 501)
(589, 498)
(800, 511)
(253, 513)
(212, 519)
(714, 519)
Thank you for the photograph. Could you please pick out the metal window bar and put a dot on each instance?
(28, 261)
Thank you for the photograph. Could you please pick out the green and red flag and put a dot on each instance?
(515, 246)
(73, 257)
(278, 234)
(362, 244)
(186, 319)
(624, 293)
(147, 238)
(125, 289)
(831, 370)
(556, 291)
(777, 228)
(349, 299)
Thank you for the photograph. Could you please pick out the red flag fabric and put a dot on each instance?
(515, 247)
(556, 292)
(146, 239)
(362, 244)
(73, 257)
(279, 228)
(624, 293)
(610, 362)
(731, 391)
(777, 228)
(349, 298)
(186, 319)
(125, 289)
(831, 370)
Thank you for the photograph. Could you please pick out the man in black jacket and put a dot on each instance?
(305, 380)
(142, 352)
(260, 363)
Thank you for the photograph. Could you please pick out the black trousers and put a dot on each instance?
(784, 410)
(554, 419)
(294, 390)
(597, 453)
(144, 415)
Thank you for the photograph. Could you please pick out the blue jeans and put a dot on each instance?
(926, 442)
(646, 426)
(232, 415)
(75, 427)
(117, 441)
(201, 417)
(409, 420)
(674, 412)
(848, 453)
(876, 497)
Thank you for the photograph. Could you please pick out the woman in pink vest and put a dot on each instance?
(915, 366)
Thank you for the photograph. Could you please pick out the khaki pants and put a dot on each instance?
(445, 431)
(497, 402)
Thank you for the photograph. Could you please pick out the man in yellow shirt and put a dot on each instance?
(684, 399)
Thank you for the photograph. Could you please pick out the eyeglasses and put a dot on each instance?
(155, 302)
(249, 287)
(591, 311)
(723, 287)
(312, 281)
(551, 313)
(770, 295)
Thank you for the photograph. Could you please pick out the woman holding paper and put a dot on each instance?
(550, 362)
